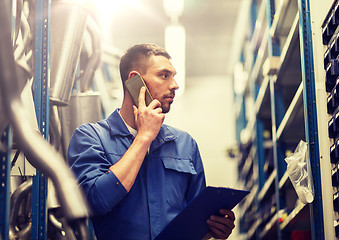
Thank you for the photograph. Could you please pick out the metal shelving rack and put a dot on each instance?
(41, 101)
(279, 106)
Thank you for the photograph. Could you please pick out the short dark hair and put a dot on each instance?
(135, 58)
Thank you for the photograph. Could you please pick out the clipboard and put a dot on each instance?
(190, 223)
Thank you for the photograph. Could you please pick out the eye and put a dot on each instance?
(164, 75)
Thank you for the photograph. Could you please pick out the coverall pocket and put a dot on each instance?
(178, 173)
(179, 165)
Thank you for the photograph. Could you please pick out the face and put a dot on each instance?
(160, 81)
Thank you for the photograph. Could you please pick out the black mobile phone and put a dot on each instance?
(133, 86)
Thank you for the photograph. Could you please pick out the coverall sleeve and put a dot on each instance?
(88, 161)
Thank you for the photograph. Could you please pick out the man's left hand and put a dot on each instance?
(221, 226)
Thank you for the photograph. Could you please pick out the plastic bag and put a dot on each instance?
(300, 174)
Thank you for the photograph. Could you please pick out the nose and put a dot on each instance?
(174, 85)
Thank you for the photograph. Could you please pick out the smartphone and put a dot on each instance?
(134, 85)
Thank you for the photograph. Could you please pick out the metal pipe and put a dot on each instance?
(38, 152)
(16, 200)
(86, 79)
(54, 127)
(19, 6)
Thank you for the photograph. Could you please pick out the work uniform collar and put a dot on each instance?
(164, 135)
(118, 127)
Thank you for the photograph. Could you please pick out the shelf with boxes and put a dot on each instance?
(275, 120)
(330, 41)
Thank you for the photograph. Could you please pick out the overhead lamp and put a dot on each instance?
(175, 44)
(173, 8)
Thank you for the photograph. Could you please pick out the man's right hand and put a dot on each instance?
(148, 119)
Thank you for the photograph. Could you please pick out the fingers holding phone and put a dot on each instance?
(134, 85)
(149, 118)
(142, 99)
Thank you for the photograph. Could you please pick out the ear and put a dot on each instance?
(132, 74)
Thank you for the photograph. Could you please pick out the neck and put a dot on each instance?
(126, 111)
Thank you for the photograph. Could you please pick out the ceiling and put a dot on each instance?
(209, 26)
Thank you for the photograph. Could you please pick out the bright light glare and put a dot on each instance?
(173, 8)
(109, 7)
(106, 9)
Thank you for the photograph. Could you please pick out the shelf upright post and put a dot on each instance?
(310, 111)
(5, 154)
(41, 102)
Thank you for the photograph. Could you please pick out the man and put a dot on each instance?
(138, 173)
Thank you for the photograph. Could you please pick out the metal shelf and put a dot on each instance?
(268, 186)
(285, 11)
(293, 119)
(297, 219)
(263, 103)
(261, 56)
(248, 201)
(270, 229)
(290, 54)
(248, 164)
(253, 229)
(260, 26)
(283, 181)
(262, 96)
